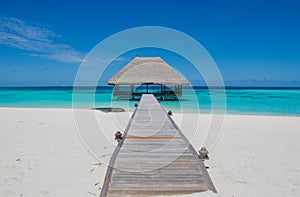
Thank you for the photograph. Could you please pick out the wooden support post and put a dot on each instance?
(131, 88)
(180, 89)
(147, 88)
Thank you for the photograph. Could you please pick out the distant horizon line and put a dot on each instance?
(194, 86)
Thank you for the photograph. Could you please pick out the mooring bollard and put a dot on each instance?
(203, 153)
(118, 136)
(170, 113)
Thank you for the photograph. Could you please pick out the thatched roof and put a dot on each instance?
(143, 70)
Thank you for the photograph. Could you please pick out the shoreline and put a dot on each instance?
(184, 112)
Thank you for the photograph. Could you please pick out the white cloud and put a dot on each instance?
(39, 41)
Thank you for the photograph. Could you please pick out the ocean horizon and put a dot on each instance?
(197, 99)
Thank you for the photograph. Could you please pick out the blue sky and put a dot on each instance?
(252, 42)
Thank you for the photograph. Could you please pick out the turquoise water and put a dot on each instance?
(263, 101)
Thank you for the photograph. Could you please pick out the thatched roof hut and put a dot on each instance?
(143, 70)
(148, 71)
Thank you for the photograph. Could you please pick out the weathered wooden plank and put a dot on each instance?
(165, 172)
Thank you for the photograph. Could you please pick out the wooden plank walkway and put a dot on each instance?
(154, 157)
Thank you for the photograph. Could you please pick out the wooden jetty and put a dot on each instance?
(154, 157)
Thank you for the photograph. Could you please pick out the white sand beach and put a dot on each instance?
(41, 154)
